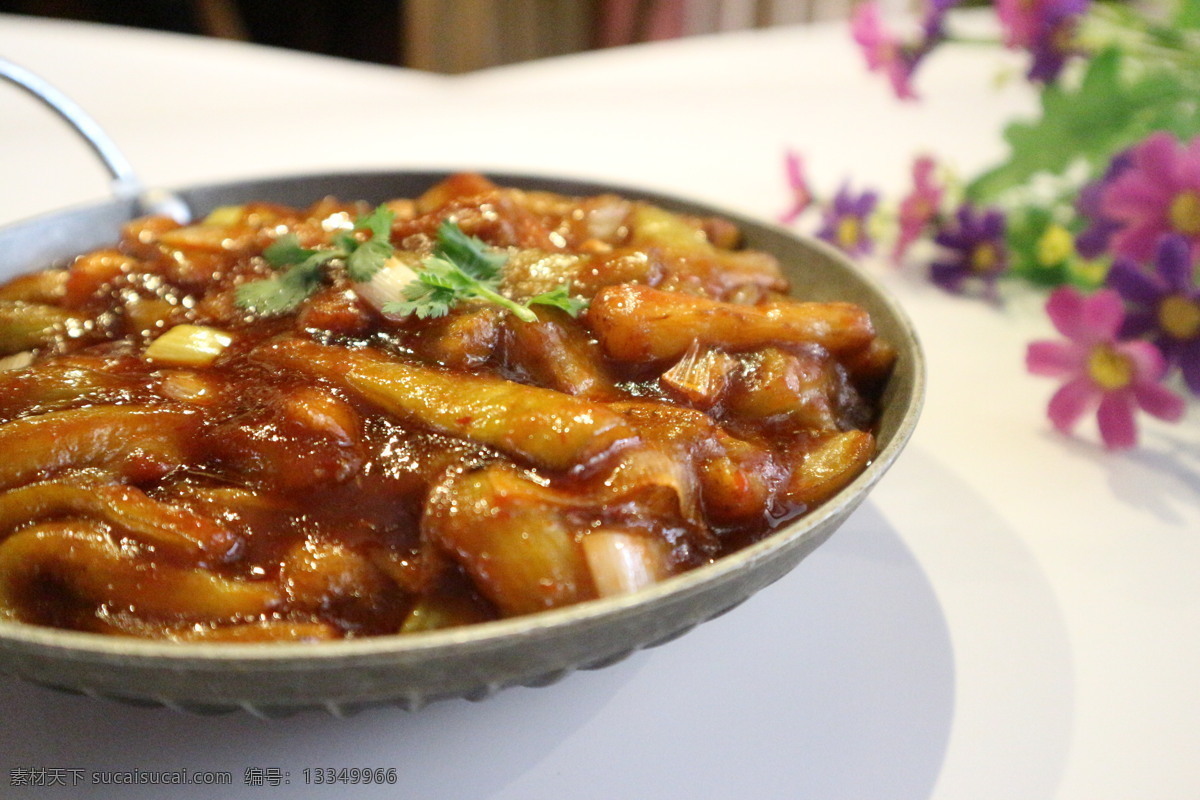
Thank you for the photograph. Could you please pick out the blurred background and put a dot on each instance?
(447, 36)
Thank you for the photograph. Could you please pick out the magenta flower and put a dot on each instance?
(802, 196)
(919, 207)
(846, 221)
(1115, 378)
(1164, 306)
(1157, 195)
(886, 53)
(975, 250)
(1045, 28)
(883, 50)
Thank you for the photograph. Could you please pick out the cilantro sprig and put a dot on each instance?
(461, 268)
(301, 269)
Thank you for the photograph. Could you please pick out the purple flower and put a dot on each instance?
(846, 220)
(1158, 194)
(1093, 241)
(919, 207)
(1045, 28)
(933, 23)
(1164, 305)
(802, 196)
(1114, 378)
(975, 241)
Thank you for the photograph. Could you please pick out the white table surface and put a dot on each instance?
(1011, 614)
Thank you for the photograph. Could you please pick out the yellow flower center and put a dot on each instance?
(1185, 213)
(848, 232)
(1091, 271)
(1055, 246)
(1179, 316)
(1109, 369)
(984, 258)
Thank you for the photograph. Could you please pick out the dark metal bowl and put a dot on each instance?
(476, 661)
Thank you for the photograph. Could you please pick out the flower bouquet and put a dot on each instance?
(1098, 201)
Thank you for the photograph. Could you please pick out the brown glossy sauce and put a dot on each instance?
(336, 471)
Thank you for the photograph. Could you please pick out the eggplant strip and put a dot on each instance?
(46, 286)
(82, 557)
(122, 507)
(57, 384)
(315, 573)
(736, 478)
(124, 437)
(828, 467)
(24, 326)
(561, 356)
(539, 426)
(512, 537)
(689, 253)
(640, 324)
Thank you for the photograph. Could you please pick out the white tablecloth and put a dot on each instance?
(1011, 614)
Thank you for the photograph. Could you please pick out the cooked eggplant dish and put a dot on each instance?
(347, 420)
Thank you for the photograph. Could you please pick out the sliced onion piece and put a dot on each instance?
(622, 561)
(16, 360)
(189, 346)
(606, 217)
(701, 375)
(388, 284)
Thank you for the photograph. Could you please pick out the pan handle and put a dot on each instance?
(125, 183)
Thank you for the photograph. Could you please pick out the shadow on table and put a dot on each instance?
(451, 748)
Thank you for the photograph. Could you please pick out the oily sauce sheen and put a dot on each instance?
(178, 466)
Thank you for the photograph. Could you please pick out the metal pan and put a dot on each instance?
(474, 662)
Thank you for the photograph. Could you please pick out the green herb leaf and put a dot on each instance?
(468, 253)
(286, 250)
(560, 297)
(461, 268)
(283, 293)
(280, 293)
(367, 259)
(439, 285)
(378, 222)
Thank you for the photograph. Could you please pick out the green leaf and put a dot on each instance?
(378, 222)
(368, 258)
(1023, 234)
(461, 268)
(284, 292)
(1105, 114)
(1187, 14)
(279, 294)
(443, 274)
(425, 299)
(468, 253)
(560, 297)
(286, 250)
(344, 242)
